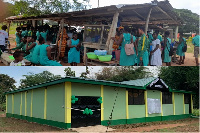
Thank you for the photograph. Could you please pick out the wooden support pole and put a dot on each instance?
(58, 35)
(112, 33)
(9, 28)
(62, 29)
(176, 33)
(147, 21)
(33, 23)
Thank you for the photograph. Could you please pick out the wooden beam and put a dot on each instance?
(139, 16)
(57, 41)
(147, 21)
(112, 32)
(164, 12)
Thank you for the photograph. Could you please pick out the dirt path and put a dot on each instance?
(149, 127)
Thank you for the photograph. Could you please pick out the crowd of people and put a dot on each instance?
(150, 49)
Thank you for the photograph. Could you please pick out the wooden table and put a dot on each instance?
(6, 60)
(91, 45)
(96, 62)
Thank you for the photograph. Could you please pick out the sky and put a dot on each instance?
(193, 5)
(18, 72)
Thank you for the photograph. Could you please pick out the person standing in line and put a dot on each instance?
(167, 42)
(18, 36)
(74, 52)
(143, 55)
(3, 38)
(195, 42)
(179, 51)
(126, 38)
(156, 59)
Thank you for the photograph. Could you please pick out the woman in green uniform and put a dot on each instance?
(18, 36)
(167, 42)
(30, 47)
(179, 51)
(74, 52)
(143, 44)
(45, 54)
(36, 52)
(126, 38)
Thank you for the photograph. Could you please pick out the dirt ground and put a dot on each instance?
(185, 125)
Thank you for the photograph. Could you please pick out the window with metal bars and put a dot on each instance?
(166, 98)
(135, 97)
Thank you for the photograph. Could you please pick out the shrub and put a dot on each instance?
(3, 106)
(196, 112)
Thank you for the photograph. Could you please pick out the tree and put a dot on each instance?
(22, 7)
(68, 72)
(32, 79)
(191, 20)
(84, 74)
(38, 7)
(6, 84)
(182, 78)
(119, 74)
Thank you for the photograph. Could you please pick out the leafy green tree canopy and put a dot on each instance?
(68, 72)
(191, 20)
(6, 84)
(119, 74)
(32, 79)
(38, 7)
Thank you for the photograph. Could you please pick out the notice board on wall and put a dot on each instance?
(154, 106)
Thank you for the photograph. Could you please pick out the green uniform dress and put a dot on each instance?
(167, 58)
(38, 35)
(44, 60)
(126, 60)
(150, 37)
(29, 57)
(180, 48)
(73, 54)
(21, 46)
(196, 41)
(160, 38)
(44, 35)
(23, 34)
(36, 54)
(17, 39)
(143, 45)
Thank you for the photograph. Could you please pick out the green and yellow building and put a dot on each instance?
(64, 102)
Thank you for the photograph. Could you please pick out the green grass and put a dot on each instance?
(13, 27)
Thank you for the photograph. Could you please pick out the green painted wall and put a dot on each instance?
(56, 102)
(120, 106)
(23, 103)
(155, 95)
(28, 101)
(17, 102)
(167, 109)
(178, 103)
(38, 103)
(86, 90)
(136, 111)
(187, 108)
(9, 103)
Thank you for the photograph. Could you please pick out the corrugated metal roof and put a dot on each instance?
(140, 82)
(131, 14)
